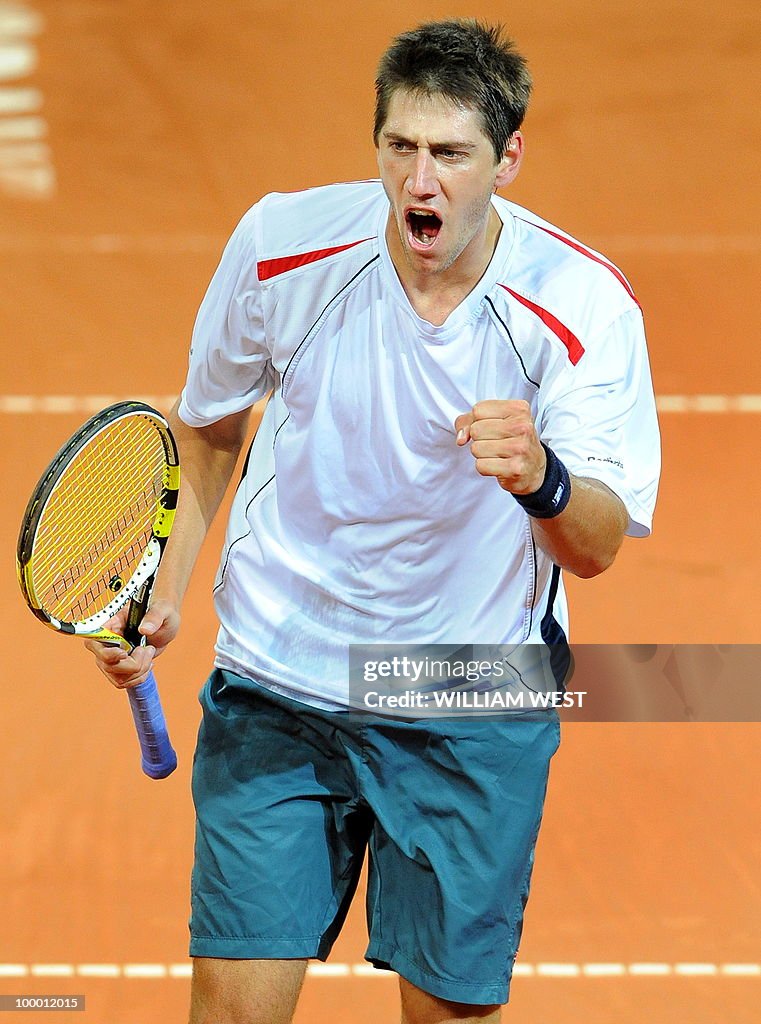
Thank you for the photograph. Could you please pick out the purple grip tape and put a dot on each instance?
(159, 758)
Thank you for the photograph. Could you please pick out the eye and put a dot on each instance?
(400, 147)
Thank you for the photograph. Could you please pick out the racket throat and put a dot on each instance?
(137, 609)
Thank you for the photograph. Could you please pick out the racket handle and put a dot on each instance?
(159, 758)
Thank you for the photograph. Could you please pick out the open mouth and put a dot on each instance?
(424, 227)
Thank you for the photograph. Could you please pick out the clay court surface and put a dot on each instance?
(133, 135)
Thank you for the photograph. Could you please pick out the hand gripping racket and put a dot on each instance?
(92, 538)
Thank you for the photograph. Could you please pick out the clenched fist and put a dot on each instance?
(504, 443)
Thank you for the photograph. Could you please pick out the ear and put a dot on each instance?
(510, 163)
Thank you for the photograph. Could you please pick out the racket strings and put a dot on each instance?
(87, 578)
(98, 520)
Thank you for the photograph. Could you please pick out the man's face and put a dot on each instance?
(439, 171)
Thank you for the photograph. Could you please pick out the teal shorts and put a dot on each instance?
(289, 798)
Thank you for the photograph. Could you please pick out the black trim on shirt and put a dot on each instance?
(322, 314)
(554, 637)
(285, 372)
(243, 535)
(512, 342)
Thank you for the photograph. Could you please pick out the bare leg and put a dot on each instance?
(245, 991)
(420, 1007)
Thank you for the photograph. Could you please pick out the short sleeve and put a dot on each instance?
(229, 366)
(599, 417)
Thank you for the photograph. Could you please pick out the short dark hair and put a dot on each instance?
(466, 61)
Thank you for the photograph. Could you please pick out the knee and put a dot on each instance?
(420, 1007)
(245, 991)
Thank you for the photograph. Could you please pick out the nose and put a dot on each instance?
(423, 182)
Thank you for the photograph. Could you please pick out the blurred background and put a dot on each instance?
(133, 136)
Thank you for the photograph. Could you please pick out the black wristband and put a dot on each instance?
(554, 494)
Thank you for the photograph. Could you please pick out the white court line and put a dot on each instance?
(603, 970)
(15, 100)
(18, 155)
(329, 970)
(23, 405)
(708, 403)
(52, 970)
(13, 970)
(650, 970)
(741, 970)
(186, 242)
(521, 970)
(368, 971)
(696, 970)
(99, 970)
(12, 128)
(696, 245)
(113, 244)
(145, 970)
(558, 970)
(364, 970)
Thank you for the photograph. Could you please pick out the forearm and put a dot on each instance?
(207, 460)
(586, 536)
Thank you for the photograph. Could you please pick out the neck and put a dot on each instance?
(434, 293)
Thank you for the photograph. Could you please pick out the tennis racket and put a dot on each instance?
(92, 538)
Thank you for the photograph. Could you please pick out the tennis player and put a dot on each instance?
(460, 410)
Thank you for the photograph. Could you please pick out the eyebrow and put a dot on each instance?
(397, 137)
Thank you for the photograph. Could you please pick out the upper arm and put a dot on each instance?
(611, 503)
(227, 433)
(224, 436)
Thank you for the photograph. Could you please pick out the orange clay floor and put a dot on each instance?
(133, 135)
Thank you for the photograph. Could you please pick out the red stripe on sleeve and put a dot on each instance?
(266, 269)
(571, 342)
(590, 255)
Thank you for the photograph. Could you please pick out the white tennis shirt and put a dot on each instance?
(358, 519)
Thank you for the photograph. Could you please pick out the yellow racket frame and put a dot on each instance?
(161, 526)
